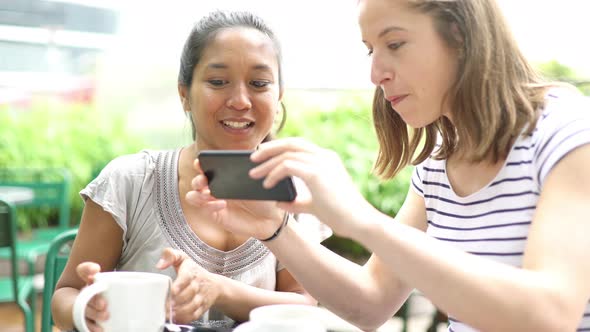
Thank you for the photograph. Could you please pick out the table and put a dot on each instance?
(16, 195)
(193, 328)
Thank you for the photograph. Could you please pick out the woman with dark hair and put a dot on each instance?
(136, 217)
(494, 229)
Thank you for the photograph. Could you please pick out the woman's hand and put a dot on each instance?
(329, 194)
(258, 219)
(97, 306)
(194, 291)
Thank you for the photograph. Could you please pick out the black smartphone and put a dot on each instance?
(227, 173)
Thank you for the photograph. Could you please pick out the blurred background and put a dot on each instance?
(84, 81)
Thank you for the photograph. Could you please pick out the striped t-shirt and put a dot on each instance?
(494, 221)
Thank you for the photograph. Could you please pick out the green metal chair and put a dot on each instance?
(55, 262)
(51, 187)
(15, 288)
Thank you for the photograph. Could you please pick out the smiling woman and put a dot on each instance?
(136, 217)
(236, 94)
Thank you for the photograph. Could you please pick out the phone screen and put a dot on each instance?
(227, 173)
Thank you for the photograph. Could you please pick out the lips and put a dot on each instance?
(394, 100)
(233, 124)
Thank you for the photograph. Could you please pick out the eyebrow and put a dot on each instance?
(217, 66)
(261, 67)
(390, 29)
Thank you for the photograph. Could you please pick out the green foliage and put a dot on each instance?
(345, 126)
(556, 71)
(84, 140)
(53, 134)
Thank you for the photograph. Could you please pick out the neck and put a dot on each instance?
(186, 160)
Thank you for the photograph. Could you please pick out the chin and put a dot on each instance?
(418, 125)
(414, 121)
(239, 146)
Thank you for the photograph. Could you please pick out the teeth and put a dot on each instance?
(236, 125)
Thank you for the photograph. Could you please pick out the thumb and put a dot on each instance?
(170, 257)
(87, 270)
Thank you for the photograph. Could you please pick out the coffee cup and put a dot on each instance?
(286, 317)
(282, 326)
(136, 301)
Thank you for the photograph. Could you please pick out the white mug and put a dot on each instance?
(281, 326)
(285, 317)
(136, 301)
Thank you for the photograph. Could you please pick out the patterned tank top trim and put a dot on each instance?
(172, 221)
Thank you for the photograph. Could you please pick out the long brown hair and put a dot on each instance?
(494, 98)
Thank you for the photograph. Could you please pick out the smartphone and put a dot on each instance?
(227, 173)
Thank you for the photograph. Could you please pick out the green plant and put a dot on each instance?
(54, 134)
(554, 70)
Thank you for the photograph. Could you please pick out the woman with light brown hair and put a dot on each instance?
(494, 229)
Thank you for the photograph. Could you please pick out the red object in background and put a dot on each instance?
(81, 91)
(19, 89)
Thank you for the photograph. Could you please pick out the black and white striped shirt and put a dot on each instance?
(494, 221)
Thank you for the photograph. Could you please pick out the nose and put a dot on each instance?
(380, 71)
(239, 98)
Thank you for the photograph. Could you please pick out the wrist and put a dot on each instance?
(279, 230)
(221, 289)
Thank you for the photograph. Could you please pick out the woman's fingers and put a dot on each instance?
(201, 197)
(97, 309)
(186, 292)
(97, 306)
(280, 161)
(92, 326)
(197, 165)
(190, 311)
(200, 183)
(87, 270)
(272, 148)
(187, 271)
(205, 200)
(170, 257)
(191, 292)
(303, 166)
(181, 287)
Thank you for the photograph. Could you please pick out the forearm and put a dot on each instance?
(237, 299)
(62, 305)
(526, 300)
(334, 281)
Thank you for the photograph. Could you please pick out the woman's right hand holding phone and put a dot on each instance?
(330, 193)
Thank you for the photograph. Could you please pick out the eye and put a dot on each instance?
(217, 83)
(260, 84)
(395, 46)
(370, 52)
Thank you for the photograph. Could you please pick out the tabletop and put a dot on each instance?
(16, 195)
